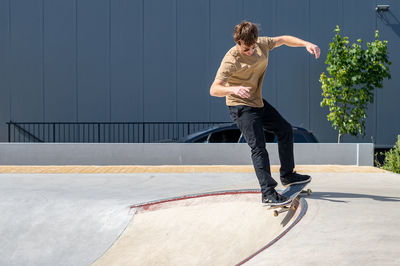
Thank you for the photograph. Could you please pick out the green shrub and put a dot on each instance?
(392, 158)
(353, 73)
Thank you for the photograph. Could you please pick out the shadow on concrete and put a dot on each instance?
(288, 217)
(340, 197)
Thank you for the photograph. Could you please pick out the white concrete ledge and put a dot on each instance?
(176, 154)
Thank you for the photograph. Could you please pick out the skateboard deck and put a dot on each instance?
(291, 192)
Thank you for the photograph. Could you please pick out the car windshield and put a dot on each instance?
(225, 136)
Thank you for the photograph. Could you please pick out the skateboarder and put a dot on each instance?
(239, 79)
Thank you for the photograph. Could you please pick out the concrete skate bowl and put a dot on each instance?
(219, 228)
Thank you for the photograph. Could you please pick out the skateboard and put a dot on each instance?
(293, 193)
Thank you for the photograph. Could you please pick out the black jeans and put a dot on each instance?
(251, 122)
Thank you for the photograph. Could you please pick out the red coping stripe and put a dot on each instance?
(147, 205)
(302, 205)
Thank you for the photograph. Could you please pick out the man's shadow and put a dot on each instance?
(339, 197)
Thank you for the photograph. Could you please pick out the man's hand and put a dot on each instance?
(243, 92)
(313, 49)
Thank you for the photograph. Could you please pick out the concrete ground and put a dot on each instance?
(352, 219)
(74, 218)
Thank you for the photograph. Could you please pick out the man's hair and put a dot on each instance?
(246, 32)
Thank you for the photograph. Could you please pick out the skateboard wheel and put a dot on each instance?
(293, 208)
(276, 213)
(309, 192)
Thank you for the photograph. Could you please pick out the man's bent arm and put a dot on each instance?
(218, 89)
(296, 42)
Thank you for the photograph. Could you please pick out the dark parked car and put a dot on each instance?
(230, 133)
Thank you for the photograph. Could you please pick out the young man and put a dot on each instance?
(239, 79)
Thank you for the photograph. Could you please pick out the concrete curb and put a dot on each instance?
(177, 153)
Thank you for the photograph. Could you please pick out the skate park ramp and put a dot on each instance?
(220, 228)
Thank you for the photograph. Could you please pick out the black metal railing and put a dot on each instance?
(103, 132)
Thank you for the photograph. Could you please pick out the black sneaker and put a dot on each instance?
(295, 178)
(275, 199)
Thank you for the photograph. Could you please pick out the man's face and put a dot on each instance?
(246, 50)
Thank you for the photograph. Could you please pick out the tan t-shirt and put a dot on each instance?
(237, 69)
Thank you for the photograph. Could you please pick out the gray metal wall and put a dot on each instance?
(154, 60)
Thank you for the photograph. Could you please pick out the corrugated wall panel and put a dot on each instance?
(388, 98)
(126, 60)
(26, 60)
(192, 62)
(4, 68)
(160, 60)
(93, 48)
(60, 95)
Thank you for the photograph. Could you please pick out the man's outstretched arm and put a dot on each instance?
(296, 42)
(219, 89)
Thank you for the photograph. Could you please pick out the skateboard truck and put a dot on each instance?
(307, 191)
(284, 208)
(293, 192)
